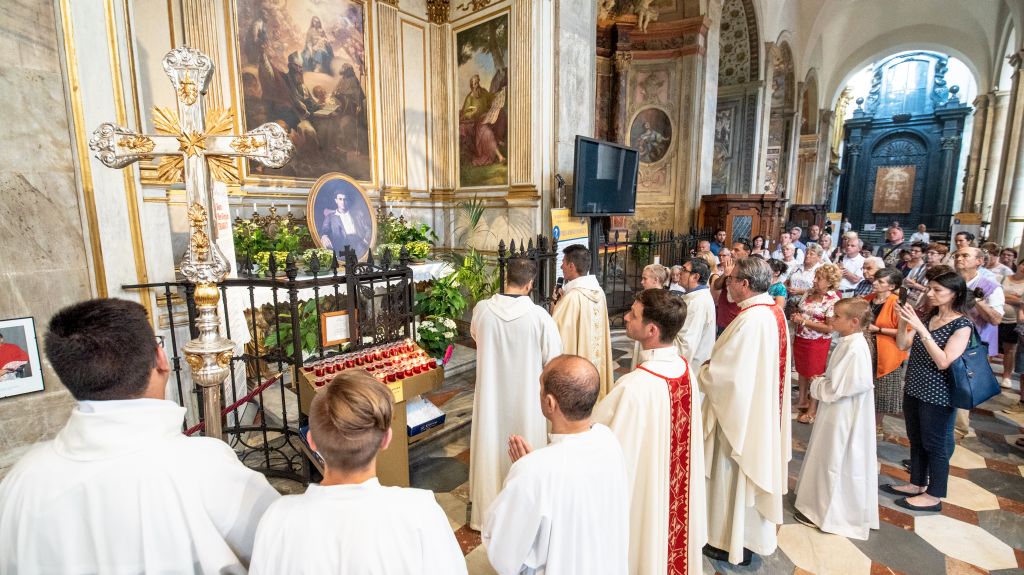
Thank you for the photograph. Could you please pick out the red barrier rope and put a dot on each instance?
(236, 404)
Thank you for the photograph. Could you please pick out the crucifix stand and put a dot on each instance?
(191, 149)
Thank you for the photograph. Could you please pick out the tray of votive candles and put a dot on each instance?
(395, 364)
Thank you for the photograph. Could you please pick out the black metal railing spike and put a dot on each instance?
(385, 259)
(403, 256)
(314, 265)
(512, 248)
(290, 269)
(369, 258)
(334, 262)
(350, 260)
(272, 264)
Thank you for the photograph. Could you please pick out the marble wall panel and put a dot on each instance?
(43, 263)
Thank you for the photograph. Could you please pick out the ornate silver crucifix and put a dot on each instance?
(192, 149)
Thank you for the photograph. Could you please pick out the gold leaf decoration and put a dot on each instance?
(137, 144)
(171, 169)
(219, 121)
(191, 143)
(195, 361)
(188, 93)
(224, 169)
(200, 244)
(246, 144)
(196, 215)
(165, 120)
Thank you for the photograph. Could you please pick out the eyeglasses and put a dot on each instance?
(160, 341)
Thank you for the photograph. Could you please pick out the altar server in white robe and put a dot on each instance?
(581, 314)
(838, 487)
(653, 412)
(565, 507)
(349, 523)
(697, 336)
(121, 489)
(746, 408)
(514, 340)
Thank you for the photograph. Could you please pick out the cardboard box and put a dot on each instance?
(422, 415)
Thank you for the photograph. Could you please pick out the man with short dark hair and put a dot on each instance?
(349, 523)
(719, 241)
(740, 249)
(564, 507)
(581, 314)
(120, 489)
(814, 234)
(746, 408)
(515, 339)
(697, 336)
(653, 411)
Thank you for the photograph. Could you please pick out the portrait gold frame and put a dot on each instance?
(311, 202)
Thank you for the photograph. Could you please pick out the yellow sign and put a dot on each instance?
(967, 219)
(397, 391)
(565, 227)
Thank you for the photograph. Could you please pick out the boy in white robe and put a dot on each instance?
(565, 507)
(654, 413)
(121, 489)
(515, 339)
(349, 523)
(838, 487)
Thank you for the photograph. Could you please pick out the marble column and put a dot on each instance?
(575, 57)
(1010, 201)
(979, 139)
(988, 176)
(393, 174)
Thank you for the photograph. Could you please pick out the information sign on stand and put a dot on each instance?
(567, 231)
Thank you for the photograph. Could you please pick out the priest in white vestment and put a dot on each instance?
(514, 340)
(565, 507)
(349, 523)
(746, 407)
(697, 336)
(120, 489)
(838, 487)
(581, 313)
(653, 412)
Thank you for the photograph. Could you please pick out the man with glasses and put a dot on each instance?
(746, 420)
(697, 336)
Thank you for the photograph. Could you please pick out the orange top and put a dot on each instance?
(889, 355)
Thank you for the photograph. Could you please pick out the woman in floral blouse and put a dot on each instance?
(813, 335)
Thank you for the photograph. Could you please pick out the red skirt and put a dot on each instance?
(810, 355)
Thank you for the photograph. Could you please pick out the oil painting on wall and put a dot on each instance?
(304, 66)
(894, 189)
(482, 56)
(651, 134)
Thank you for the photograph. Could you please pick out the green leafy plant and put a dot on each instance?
(392, 230)
(322, 254)
(249, 238)
(435, 334)
(642, 253)
(442, 298)
(479, 279)
(262, 261)
(419, 249)
(289, 237)
(280, 337)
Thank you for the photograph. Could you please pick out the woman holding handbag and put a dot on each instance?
(934, 344)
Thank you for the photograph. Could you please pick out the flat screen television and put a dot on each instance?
(605, 178)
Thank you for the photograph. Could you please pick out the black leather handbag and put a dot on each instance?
(973, 382)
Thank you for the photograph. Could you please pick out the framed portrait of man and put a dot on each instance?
(894, 189)
(339, 215)
(20, 370)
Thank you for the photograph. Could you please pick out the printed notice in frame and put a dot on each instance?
(334, 327)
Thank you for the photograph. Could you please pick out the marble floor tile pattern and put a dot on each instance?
(980, 530)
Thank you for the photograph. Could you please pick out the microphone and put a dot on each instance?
(559, 283)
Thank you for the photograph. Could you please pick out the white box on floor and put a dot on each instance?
(422, 415)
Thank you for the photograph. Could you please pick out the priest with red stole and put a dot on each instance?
(12, 357)
(746, 420)
(655, 413)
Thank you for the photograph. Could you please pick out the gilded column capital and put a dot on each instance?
(438, 11)
(622, 60)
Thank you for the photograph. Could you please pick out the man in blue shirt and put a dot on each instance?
(719, 242)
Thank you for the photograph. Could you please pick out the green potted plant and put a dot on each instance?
(435, 334)
(443, 298)
(279, 337)
(324, 255)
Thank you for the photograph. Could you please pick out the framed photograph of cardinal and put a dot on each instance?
(20, 370)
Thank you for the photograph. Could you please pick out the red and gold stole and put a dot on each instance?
(780, 320)
(680, 414)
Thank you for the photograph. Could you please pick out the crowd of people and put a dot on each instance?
(571, 471)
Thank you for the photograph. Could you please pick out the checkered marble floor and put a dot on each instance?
(980, 529)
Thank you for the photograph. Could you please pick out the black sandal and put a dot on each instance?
(891, 489)
(902, 502)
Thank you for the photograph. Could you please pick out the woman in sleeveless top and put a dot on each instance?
(934, 344)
